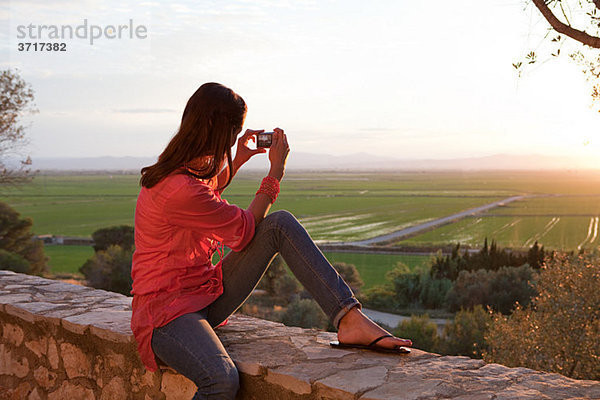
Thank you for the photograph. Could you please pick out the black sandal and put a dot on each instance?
(397, 349)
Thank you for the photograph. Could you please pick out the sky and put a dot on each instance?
(396, 78)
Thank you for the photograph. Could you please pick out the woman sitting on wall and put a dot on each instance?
(181, 220)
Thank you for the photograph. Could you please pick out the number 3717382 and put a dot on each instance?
(41, 46)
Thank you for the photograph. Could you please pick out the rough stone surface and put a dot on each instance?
(52, 353)
(61, 341)
(177, 387)
(44, 377)
(13, 334)
(39, 347)
(75, 361)
(70, 390)
(115, 389)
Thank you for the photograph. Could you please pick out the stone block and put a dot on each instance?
(74, 327)
(148, 379)
(521, 394)
(76, 363)
(69, 390)
(19, 312)
(12, 365)
(53, 353)
(344, 384)
(115, 389)
(249, 368)
(177, 387)
(296, 384)
(20, 392)
(39, 307)
(12, 334)
(120, 336)
(15, 298)
(118, 322)
(34, 395)
(44, 377)
(39, 346)
(411, 389)
(320, 352)
(115, 361)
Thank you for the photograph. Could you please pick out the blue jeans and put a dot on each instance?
(189, 344)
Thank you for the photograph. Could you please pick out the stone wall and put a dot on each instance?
(62, 341)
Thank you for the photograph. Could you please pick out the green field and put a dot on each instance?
(67, 259)
(373, 267)
(563, 223)
(333, 206)
(351, 206)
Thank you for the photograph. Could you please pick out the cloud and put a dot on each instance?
(144, 110)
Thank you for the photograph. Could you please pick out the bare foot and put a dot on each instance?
(356, 328)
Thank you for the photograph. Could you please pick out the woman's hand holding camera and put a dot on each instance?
(278, 153)
(243, 152)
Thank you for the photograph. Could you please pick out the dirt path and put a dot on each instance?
(416, 229)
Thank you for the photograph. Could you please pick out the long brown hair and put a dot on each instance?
(212, 118)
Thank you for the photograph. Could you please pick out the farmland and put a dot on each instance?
(562, 214)
(559, 222)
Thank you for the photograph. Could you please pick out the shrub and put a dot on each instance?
(406, 285)
(464, 336)
(350, 275)
(110, 269)
(421, 330)
(13, 262)
(380, 297)
(559, 330)
(278, 284)
(408, 289)
(433, 292)
(500, 289)
(122, 236)
(305, 313)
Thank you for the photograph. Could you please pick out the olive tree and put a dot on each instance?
(16, 100)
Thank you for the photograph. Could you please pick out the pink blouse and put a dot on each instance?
(179, 224)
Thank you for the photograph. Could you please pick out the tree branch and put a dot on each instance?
(565, 29)
(597, 3)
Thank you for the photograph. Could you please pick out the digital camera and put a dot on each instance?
(264, 139)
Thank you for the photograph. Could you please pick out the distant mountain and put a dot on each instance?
(311, 161)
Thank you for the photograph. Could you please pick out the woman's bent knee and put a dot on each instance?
(281, 218)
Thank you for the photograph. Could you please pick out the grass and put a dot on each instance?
(343, 206)
(373, 267)
(561, 223)
(67, 259)
(77, 205)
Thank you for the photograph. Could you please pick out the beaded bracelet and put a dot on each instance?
(270, 187)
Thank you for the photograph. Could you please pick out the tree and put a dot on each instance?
(13, 262)
(578, 20)
(16, 238)
(16, 98)
(550, 9)
(559, 330)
